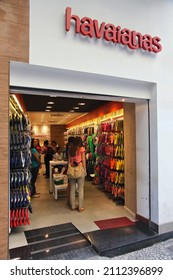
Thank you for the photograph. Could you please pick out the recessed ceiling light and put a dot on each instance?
(71, 111)
(49, 107)
(76, 108)
(50, 102)
(81, 103)
(47, 110)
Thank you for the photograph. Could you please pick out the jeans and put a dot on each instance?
(34, 173)
(80, 182)
(46, 161)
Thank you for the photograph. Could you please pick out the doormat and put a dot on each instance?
(114, 223)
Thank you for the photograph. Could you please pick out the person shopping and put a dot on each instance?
(71, 139)
(76, 156)
(36, 164)
(48, 155)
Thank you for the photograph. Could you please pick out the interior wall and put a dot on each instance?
(57, 134)
(41, 132)
(101, 111)
(14, 38)
(130, 156)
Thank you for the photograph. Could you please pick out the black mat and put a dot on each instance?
(20, 253)
(44, 243)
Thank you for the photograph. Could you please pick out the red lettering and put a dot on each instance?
(110, 33)
(126, 36)
(133, 39)
(136, 40)
(87, 27)
(118, 34)
(158, 46)
(74, 17)
(98, 31)
(147, 43)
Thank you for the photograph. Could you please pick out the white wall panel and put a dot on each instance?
(51, 45)
(142, 159)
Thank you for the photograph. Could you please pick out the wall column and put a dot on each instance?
(14, 45)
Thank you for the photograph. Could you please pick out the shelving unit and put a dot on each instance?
(110, 159)
(20, 162)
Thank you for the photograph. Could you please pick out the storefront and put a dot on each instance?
(80, 48)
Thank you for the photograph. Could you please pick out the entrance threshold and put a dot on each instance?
(66, 242)
(118, 241)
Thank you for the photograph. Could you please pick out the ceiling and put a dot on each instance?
(44, 109)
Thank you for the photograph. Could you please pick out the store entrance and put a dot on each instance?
(112, 182)
(111, 126)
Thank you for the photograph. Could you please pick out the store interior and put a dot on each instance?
(107, 128)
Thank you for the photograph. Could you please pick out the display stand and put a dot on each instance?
(110, 167)
(52, 163)
(60, 182)
(20, 163)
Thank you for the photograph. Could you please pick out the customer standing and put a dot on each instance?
(38, 147)
(69, 144)
(54, 145)
(48, 155)
(36, 164)
(76, 156)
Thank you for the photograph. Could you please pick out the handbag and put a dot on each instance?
(75, 172)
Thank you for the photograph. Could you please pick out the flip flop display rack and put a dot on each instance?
(20, 163)
(109, 169)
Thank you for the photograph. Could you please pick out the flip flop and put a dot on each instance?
(35, 196)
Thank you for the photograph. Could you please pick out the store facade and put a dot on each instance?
(114, 49)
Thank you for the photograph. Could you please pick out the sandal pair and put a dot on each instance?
(80, 209)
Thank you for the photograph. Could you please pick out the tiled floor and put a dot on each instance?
(47, 211)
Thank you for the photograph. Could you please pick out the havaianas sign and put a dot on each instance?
(109, 32)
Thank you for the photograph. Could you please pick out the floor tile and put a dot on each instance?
(47, 211)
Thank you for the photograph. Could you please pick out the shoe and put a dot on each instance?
(37, 193)
(35, 196)
(81, 209)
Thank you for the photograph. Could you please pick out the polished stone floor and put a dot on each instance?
(49, 212)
